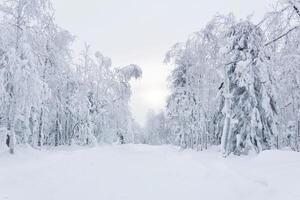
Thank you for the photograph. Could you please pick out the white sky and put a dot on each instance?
(142, 31)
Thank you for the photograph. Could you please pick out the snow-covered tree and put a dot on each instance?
(230, 79)
(250, 109)
(194, 81)
(23, 89)
(49, 97)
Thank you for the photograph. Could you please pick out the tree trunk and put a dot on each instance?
(40, 136)
(10, 125)
(11, 138)
(298, 136)
(57, 131)
(12, 142)
(227, 123)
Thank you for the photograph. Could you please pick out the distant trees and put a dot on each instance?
(156, 131)
(47, 97)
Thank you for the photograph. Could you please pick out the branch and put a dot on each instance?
(75, 126)
(113, 101)
(271, 14)
(281, 36)
(295, 8)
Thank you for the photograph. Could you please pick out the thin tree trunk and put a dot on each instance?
(11, 138)
(298, 136)
(10, 125)
(227, 123)
(40, 136)
(57, 131)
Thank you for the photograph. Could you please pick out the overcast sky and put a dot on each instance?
(142, 31)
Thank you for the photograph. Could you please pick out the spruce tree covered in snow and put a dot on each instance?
(250, 110)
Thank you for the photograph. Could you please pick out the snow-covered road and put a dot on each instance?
(140, 172)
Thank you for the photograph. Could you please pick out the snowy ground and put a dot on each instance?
(140, 172)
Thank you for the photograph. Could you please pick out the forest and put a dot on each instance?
(230, 127)
(233, 84)
(48, 97)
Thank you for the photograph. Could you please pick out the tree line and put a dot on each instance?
(236, 84)
(48, 97)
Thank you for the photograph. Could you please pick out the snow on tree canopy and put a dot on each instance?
(233, 83)
(48, 97)
(131, 71)
(249, 106)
